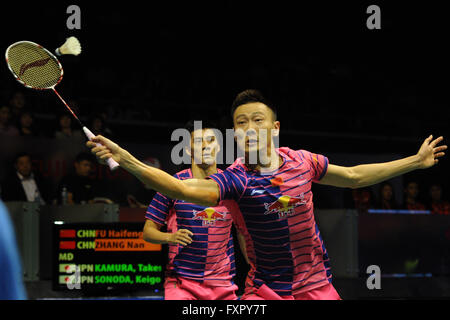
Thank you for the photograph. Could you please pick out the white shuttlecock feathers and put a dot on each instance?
(71, 46)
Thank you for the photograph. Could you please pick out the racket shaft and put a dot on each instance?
(113, 165)
(67, 106)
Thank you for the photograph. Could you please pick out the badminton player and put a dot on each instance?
(201, 255)
(288, 259)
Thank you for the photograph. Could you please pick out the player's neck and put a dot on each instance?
(201, 172)
(266, 161)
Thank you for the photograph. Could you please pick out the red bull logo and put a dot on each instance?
(285, 205)
(209, 216)
(277, 181)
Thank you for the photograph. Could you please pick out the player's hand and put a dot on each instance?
(182, 237)
(108, 149)
(429, 152)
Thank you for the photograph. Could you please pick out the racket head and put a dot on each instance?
(33, 66)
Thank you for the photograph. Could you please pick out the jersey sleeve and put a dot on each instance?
(232, 183)
(317, 162)
(159, 209)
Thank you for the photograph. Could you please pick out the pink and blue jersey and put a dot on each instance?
(277, 221)
(209, 259)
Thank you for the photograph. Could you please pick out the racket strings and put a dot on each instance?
(34, 66)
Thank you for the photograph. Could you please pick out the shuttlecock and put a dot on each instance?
(71, 46)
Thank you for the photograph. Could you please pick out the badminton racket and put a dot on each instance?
(35, 67)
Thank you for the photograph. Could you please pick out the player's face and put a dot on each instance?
(83, 168)
(204, 147)
(23, 166)
(255, 126)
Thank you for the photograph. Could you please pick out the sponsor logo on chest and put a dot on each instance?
(209, 216)
(285, 205)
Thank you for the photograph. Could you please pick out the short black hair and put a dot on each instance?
(84, 156)
(206, 124)
(20, 155)
(249, 96)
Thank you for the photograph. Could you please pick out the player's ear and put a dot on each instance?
(276, 129)
(218, 142)
(217, 147)
(188, 151)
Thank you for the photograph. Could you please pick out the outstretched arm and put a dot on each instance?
(370, 174)
(199, 191)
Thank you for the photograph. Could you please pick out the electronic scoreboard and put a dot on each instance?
(105, 256)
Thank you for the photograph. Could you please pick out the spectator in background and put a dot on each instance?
(26, 124)
(17, 103)
(386, 198)
(11, 282)
(436, 204)
(65, 129)
(78, 187)
(363, 199)
(23, 184)
(98, 126)
(6, 128)
(411, 192)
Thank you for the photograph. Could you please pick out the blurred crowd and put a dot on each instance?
(80, 185)
(23, 184)
(17, 118)
(431, 198)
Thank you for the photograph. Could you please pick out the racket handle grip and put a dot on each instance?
(113, 165)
